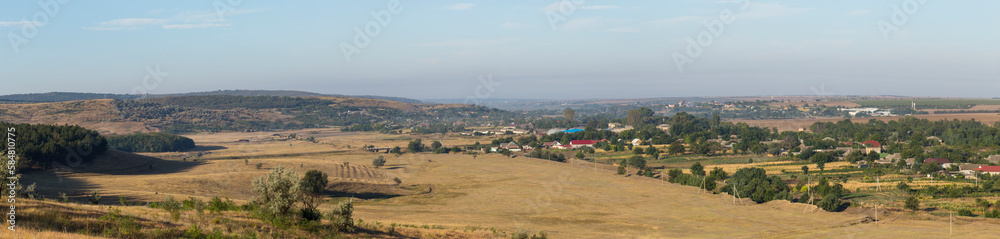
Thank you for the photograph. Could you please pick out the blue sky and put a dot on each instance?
(527, 49)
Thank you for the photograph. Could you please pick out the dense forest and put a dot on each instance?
(151, 142)
(44, 146)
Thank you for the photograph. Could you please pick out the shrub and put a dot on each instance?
(830, 203)
(94, 198)
(912, 203)
(903, 187)
(217, 205)
(697, 169)
(260, 165)
(340, 216)
(277, 192)
(965, 213)
(63, 197)
(755, 184)
(378, 161)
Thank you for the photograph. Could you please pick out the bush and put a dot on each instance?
(965, 213)
(992, 213)
(697, 169)
(755, 184)
(340, 216)
(217, 205)
(94, 197)
(903, 187)
(912, 203)
(277, 192)
(378, 161)
(830, 203)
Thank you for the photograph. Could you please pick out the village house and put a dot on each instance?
(968, 168)
(940, 161)
(994, 159)
(991, 170)
(872, 146)
(552, 145)
(583, 142)
(512, 146)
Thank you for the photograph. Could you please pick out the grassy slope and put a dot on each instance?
(461, 193)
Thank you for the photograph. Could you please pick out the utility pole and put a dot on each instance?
(951, 224)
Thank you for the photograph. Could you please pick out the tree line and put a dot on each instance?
(151, 142)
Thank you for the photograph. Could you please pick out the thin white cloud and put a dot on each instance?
(18, 23)
(755, 11)
(625, 29)
(592, 23)
(859, 12)
(182, 20)
(675, 20)
(127, 24)
(193, 26)
(600, 7)
(760, 10)
(469, 43)
(462, 6)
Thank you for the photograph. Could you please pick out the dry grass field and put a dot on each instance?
(91, 114)
(466, 195)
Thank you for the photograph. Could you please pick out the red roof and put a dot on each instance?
(873, 143)
(937, 160)
(583, 142)
(992, 169)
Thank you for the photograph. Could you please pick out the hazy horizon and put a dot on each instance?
(506, 50)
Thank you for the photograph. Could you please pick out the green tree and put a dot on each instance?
(637, 161)
(396, 150)
(378, 161)
(435, 145)
(313, 185)
(912, 203)
(928, 168)
(718, 174)
(755, 184)
(903, 187)
(697, 169)
(676, 148)
(569, 115)
(415, 146)
(830, 203)
(805, 169)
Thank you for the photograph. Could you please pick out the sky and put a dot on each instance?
(570, 49)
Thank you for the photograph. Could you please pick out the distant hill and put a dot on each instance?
(72, 96)
(62, 96)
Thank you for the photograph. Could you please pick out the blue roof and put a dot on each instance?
(573, 130)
